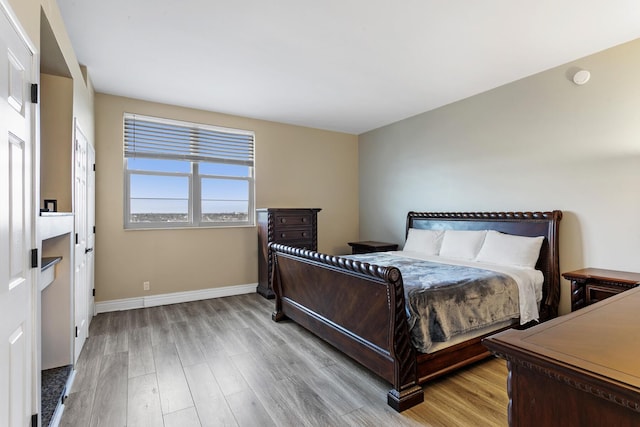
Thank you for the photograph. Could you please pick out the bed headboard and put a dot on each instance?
(529, 224)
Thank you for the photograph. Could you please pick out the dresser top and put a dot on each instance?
(602, 340)
(288, 209)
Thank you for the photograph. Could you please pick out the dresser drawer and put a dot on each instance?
(283, 235)
(294, 220)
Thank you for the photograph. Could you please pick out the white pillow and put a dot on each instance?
(507, 249)
(424, 241)
(463, 244)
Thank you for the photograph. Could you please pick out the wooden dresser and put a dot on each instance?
(296, 227)
(580, 369)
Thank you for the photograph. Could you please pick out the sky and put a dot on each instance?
(170, 193)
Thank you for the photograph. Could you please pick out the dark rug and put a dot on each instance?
(53, 388)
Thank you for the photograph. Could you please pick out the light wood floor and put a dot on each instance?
(225, 362)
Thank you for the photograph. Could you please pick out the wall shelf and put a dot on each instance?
(48, 271)
(54, 224)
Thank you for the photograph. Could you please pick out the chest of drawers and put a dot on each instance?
(296, 227)
(580, 369)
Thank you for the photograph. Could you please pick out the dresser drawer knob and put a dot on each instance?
(304, 234)
(283, 235)
(283, 220)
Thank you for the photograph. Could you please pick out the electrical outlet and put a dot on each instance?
(145, 285)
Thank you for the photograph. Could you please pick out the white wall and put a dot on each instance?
(540, 143)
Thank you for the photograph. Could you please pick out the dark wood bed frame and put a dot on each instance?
(359, 308)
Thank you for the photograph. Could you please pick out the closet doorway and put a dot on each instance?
(84, 212)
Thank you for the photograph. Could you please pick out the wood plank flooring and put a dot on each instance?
(224, 362)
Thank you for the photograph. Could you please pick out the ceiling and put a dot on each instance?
(344, 65)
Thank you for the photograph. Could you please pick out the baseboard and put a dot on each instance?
(173, 298)
(57, 414)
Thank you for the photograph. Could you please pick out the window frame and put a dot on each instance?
(194, 202)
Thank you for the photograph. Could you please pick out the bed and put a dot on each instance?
(360, 307)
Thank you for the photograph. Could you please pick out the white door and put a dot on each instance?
(91, 229)
(16, 222)
(80, 268)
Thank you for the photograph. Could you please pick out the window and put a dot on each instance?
(180, 174)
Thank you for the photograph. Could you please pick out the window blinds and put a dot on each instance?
(156, 138)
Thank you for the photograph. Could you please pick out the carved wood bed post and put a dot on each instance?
(277, 315)
(549, 308)
(407, 392)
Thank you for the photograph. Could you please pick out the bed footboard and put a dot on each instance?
(359, 308)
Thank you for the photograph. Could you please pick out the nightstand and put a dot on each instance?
(591, 285)
(368, 246)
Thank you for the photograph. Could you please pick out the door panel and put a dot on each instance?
(16, 205)
(17, 361)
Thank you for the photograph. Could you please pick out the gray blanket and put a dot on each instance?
(446, 300)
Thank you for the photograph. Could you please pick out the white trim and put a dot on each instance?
(173, 298)
(57, 414)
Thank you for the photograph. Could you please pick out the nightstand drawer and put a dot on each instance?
(595, 293)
